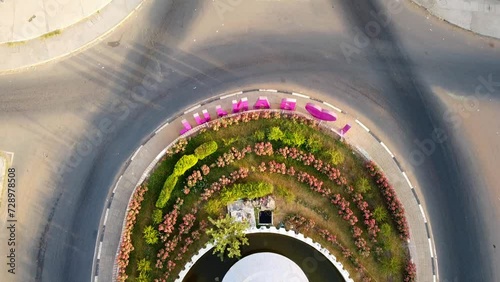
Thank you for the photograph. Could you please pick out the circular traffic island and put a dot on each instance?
(263, 168)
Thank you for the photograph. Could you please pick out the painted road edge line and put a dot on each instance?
(116, 185)
(99, 251)
(332, 106)
(300, 95)
(136, 152)
(268, 90)
(362, 125)
(423, 214)
(161, 128)
(230, 95)
(192, 109)
(106, 217)
(407, 179)
(387, 149)
(430, 247)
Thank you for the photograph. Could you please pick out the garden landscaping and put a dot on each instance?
(322, 189)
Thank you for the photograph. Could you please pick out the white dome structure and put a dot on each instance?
(265, 267)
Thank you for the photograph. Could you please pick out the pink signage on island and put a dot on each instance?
(201, 120)
(320, 113)
(345, 129)
(262, 103)
(206, 115)
(186, 126)
(242, 105)
(220, 111)
(288, 104)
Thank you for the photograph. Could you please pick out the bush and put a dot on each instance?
(313, 144)
(275, 134)
(166, 191)
(205, 150)
(157, 216)
(184, 163)
(150, 235)
(363, 185)
(259, 135)
(294, 139)
(385, 230)
(380, 214)
(336, 157)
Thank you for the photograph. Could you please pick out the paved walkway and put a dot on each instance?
(479, 16)
(36, 31)
(146, 156)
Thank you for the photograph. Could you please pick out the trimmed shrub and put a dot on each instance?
(166, 191)
(157, 216)
(150, 235)
(184, 163)
(205, 150)
(275, 134)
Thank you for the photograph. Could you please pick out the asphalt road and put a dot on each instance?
(73, 123)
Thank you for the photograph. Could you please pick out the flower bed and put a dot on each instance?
(320, 171)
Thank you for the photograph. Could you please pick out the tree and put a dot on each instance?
(150, 235)
(228, 236)
(363, 185)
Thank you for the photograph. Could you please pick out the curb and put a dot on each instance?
(101, 230)
(82, 34)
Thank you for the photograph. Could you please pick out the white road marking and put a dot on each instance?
(230, 95)
(136, 152)
(423, 214)
(268, 90)
(407, 179)
(116, 185)
(387, 149)
(99, 251)
(300, 95)
(430, 247)
(192, 109)
(362, 125)
(161, 128)
(106, 217)
(333, 107)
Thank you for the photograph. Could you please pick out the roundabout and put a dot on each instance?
(274, 98)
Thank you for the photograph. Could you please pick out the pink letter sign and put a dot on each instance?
(322, 114)
(202, 120)
(262, 103)
(288, 104)
(220, 111)
(186, 125)
(242, 105)
(345, 129)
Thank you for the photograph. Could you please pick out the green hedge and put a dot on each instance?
(184, 163)
(205, 150)
(166, 191)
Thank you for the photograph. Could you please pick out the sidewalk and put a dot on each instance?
(142, 161)
(479, 16)
(36, 31)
